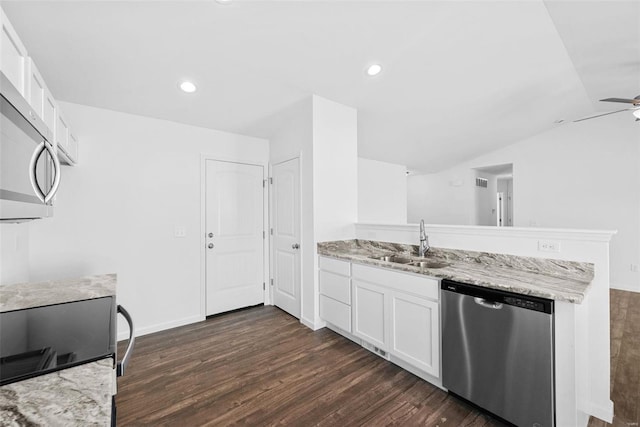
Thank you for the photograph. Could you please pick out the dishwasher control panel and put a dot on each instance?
(518, 302)
(496, 296)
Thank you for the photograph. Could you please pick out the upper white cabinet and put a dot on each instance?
(22, 72)
(13, 56)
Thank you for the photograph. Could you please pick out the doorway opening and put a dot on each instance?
(493, 195)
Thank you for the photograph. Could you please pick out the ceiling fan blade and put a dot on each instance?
(627, 101)
(600, 115)
(637, 97)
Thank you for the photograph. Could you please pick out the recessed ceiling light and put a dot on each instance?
(374, 69)
(187, 86)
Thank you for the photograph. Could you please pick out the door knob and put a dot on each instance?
(210, 234)
(210, 245)
(295, 246)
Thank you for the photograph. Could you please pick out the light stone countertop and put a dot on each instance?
(78, 396)
(547, 278)
(27, 295)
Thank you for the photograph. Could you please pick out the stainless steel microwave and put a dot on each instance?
(29, 167)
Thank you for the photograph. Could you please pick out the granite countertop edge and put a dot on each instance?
(19, 296)
(572, 288)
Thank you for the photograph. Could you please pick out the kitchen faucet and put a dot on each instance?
(424, 241)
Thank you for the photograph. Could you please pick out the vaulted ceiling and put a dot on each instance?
(459, 78)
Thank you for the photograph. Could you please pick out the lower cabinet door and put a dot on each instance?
(415, 335)
(369, 310)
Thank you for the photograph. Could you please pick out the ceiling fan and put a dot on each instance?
(635, 102)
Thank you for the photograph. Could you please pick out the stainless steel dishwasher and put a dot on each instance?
(497, 352)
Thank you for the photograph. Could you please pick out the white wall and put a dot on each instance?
(116, 211)
(335, 169)
(442, 198)
(295, 139)
(14, 253)
(335, 178)
(324, 134)
(580, 175)
(382, 192)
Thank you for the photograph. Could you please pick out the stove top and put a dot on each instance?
(40, 340)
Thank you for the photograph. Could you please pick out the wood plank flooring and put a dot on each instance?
(261, 367)
(625, 360)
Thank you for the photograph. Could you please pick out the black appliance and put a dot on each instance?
(40, 340)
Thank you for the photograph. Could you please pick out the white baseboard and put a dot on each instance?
(160, 327)
(605, 413)
(312, 325)
(625, 287)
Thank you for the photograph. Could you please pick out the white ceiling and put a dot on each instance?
(460, 77)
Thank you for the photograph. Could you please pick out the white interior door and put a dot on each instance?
(234, 236)
(286, 236)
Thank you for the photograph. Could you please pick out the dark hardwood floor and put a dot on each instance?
(261, 367)
(625, 360)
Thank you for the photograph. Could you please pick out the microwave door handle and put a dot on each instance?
(56, 171)
(33, 165)
(122, 365)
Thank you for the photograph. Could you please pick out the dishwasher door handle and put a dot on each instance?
(488, 304)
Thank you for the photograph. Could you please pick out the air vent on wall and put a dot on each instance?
(481, 182)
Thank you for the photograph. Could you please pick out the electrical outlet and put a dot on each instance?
(548, 246)
(180, 231)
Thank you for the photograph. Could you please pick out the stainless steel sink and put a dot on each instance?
(430, 264)
(393, 258)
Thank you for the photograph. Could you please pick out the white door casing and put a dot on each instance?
(285, 202)
(234, 228)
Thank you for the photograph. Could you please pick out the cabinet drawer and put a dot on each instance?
(335, 312)
(335, 286)
(335, 266)
(405, 282)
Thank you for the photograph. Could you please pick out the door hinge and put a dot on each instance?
(271, 282)
(263, 234)
(264, 286)
(264, 182)
(271, 232)
(270, 180)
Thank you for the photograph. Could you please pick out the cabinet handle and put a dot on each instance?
(210, 245)
(295, 246)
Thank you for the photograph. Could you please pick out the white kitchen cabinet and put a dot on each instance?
(335, 292)
(370, 314)
(22, 72)
(65, 140)
(40, 97)
(73, 147)
(398, 313)
(415, 331)
(13, 55)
